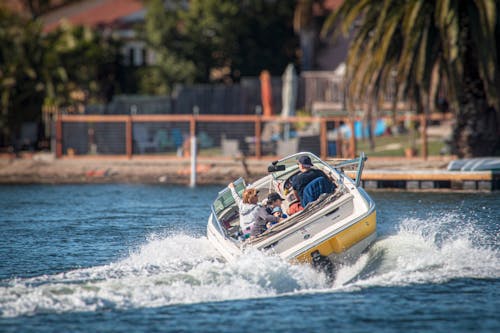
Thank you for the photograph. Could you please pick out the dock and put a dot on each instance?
(431, 180)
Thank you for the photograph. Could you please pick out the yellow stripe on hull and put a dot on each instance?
(343, 240)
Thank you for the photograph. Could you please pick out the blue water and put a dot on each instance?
(114, 258)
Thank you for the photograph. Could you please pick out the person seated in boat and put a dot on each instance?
(277, 211)
(293, 203)
(273, 200)
(310, 183)
(253, 217)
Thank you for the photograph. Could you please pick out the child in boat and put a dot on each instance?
(277, 211)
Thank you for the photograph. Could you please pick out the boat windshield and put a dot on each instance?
(291, 166)
(225, 199)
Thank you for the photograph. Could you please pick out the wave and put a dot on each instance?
(433, 250)
(182, 269)
(176, 269)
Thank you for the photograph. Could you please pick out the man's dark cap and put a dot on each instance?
(305, 161)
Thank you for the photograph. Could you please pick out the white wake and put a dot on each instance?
(426, 251)
(182, 269)
(177, 269)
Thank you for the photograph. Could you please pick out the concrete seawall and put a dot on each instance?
(380, 173)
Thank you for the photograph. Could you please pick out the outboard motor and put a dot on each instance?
(322, 263)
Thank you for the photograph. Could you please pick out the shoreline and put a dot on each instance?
(399, 174)
(44, 168)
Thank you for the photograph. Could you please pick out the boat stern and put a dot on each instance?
(344, 245)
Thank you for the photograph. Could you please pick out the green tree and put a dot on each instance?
(21, 83)
(79, 64)
(456, 39)
(70, 66)
(163, 36)
(36, 7)
(216, 40)
(209, 35)
(266, 37)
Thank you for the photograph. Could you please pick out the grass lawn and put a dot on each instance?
(395, 145)
(384, 146)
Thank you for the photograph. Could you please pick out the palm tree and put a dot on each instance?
(305, 26)
(418, 38)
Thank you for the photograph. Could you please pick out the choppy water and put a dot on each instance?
(108, 258)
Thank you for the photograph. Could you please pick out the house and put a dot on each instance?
(113, 17)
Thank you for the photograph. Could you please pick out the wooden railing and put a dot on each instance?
(227, 124)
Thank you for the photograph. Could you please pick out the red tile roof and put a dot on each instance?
(326, 7)
(332, 4)
(92, 13)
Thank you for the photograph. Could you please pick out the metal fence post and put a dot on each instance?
(194, 152)
(192, 180)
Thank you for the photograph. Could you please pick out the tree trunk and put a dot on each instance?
(476, 131)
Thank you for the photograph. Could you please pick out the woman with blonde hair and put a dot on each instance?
(253, 217)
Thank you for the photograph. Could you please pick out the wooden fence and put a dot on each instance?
(218, 136)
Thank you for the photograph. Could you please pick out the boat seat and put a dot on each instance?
(315, 188)
(227, 220)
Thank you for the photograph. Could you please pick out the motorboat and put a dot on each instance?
(330, 231)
